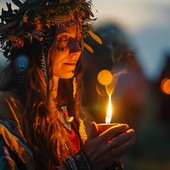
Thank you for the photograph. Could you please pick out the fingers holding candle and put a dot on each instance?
(121, 144)
(121, 139)
(113, 131)
(108, 145)
(124, 147)
(118, 137)
(103, 127)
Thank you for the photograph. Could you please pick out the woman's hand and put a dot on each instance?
(103, 149)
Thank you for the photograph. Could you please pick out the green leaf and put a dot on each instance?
(85, 5)
(88, 48)
(6, 26)
(17, 3)
(60, 17)
(31, 1)
(95, 37)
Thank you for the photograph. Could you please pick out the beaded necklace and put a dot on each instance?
(66, 120)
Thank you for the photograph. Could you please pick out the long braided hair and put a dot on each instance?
(44, 132)
(22, 32)
(48, 134)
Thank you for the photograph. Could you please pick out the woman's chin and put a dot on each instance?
(67, 76)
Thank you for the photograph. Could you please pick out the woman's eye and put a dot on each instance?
(62, 41)
(64, 38)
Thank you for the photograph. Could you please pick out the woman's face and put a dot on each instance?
(65, 51)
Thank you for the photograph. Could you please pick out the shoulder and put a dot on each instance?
(11, 131)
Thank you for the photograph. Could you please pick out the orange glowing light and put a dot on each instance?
(109, 110)
(105, 77)
(165, 85)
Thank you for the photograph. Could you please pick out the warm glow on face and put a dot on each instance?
(65, 51)
(165, 85)
(109, 110)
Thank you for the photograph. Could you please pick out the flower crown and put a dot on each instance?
(34, 17)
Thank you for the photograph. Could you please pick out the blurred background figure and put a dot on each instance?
(162, 89)
(117, 55)
(138, 100)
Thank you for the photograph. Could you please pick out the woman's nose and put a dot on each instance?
(73, 46)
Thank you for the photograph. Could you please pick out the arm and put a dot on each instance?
(6, 161)
(13, 146)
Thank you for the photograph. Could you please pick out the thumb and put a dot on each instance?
(94, 131)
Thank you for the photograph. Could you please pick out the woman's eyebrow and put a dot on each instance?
(62, 34)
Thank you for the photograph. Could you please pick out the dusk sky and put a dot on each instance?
(146, 23)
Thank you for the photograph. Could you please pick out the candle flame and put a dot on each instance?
(109, 110)
(109, 81)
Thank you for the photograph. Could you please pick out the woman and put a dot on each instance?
(41, 122)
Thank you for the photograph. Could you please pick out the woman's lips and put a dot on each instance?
(70, 64)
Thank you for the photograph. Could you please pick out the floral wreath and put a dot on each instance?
(34, 17)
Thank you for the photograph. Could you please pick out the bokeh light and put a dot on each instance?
(105, 77)
(165, 85)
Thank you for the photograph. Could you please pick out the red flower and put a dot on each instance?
(16, 41)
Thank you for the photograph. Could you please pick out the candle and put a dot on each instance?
(109, 81)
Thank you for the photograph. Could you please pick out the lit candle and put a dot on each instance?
(109, 81)
(109, 110)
